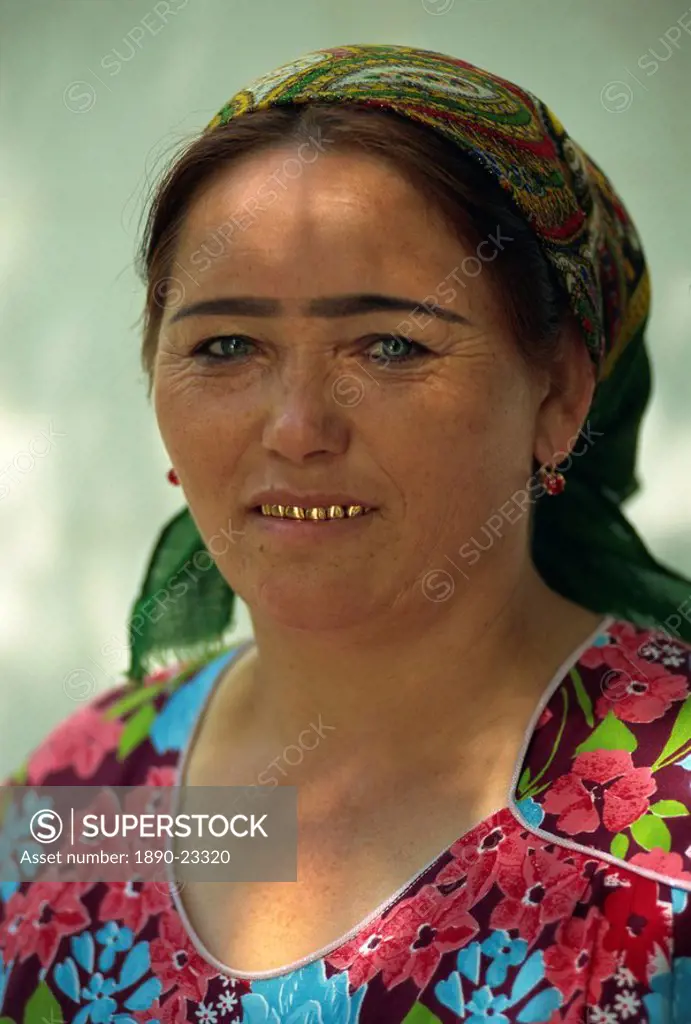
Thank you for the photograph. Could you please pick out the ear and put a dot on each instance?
(572, 381)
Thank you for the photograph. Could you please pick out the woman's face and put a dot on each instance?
(302, 388)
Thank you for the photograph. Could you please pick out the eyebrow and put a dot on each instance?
(339, 306)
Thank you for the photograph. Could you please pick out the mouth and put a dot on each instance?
(312, 513)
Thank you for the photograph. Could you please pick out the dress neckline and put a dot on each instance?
(216, 670)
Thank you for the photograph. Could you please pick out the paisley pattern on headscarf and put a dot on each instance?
(579, 219)
(582, 543)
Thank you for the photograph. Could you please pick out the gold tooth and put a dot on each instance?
(314, 512)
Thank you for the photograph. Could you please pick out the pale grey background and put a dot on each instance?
(80, 146)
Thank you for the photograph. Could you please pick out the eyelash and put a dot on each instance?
(418, 350)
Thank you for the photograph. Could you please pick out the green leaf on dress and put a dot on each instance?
(584, 701)
(142, 695)
(420, 1014)
(6, 1020)
(680, 734)
(136, 731)
(651, 833)
(524, 781)
(43, 1007)
(610, 734)
(619, 845)
(669, 809)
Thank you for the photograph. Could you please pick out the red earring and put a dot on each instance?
(553, 481)
(173, 478)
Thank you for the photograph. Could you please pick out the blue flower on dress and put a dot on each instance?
(114, 939)
(680, 898)
(484, 1004)
(530, 811)
(5, 972)
(174, 723)
(97, 998)
(671, 993)
(301, 997)
(504, 953)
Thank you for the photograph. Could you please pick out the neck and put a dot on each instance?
(448, 673)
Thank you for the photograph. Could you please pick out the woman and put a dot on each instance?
(438, 303)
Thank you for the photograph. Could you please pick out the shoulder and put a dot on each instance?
(607, 769)
(120, 736)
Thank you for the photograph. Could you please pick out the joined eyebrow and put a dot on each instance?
(338, 306)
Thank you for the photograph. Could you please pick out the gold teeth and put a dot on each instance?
(298, 512)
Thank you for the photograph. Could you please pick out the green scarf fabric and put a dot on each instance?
(582, 543)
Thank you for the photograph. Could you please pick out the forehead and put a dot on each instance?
(274, 218)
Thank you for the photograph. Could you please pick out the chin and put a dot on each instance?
(308, 605)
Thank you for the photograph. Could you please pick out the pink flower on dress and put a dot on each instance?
(628, 641)
(578, 960)
(477, 855)
(80, 742)
(670, 864)
(546, 716)
(418, 931)
(538, 889)
(640, 691)
(574, 797)
(175, 961)
(161, 775)
(38, 920)
(408, 942)
(133, 903)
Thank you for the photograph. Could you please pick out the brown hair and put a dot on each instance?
(473, 202)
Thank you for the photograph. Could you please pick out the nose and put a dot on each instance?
(304, 418)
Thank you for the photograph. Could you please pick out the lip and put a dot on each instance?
(311, 500)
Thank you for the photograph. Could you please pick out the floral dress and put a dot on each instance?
(570, 904)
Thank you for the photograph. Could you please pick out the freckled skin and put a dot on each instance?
(438, 443)
(426, 701)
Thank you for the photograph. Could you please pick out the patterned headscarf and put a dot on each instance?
(582, 544)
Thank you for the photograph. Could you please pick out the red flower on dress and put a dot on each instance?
(408, 942)
(477, 855)
(640, 691)
(175, 961)
(574, 796)
(539, 888)
(578, 960)
(133, 903)
(37, 921)
(638, 923)
(80, 742)
(172, 1011)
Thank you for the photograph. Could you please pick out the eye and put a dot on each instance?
(397, 349)
(231, 346)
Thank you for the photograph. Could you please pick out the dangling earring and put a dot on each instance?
(173, 478)
(552, 480)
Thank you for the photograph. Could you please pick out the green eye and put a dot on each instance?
(230, 349)
(396, 348)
